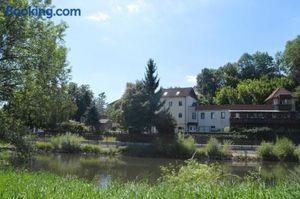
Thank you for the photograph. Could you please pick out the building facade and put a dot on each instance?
(181, 103)
(278, 111)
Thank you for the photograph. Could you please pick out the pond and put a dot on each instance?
(102, 169)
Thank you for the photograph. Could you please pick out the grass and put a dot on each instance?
(283, 150)
(215, 149)
(193, 180)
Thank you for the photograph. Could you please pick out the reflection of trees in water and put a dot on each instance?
(101, 169)
(279, 170)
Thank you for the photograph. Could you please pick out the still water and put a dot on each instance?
(100, 170)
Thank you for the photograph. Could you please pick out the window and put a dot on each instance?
(170, 103)
(212, 115)
(180, 103)
(191, 128)
(178, 92)
(193, 116)
(165, 93)
(180, 115)
(202, 116)
(222, 115)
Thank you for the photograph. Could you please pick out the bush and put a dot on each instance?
(90, 148)
(184, 145)
(44, 146)
(284, 149)
(213, 147)
(67, 143)
(265, 151)
(74, 127)
(260, 133)
(297, 152)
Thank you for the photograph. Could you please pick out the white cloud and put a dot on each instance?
(191, 78)
(99, 17)
(135, 6)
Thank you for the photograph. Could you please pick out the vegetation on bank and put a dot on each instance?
(71, 143)
(192, 180)
(283, 149)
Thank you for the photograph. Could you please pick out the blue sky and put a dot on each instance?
(111, 42)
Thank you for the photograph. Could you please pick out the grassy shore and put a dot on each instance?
(193, 180)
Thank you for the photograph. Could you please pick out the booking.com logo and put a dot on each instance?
(39, 12)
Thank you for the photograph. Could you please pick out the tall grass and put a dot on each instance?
(67, 142)
(283, 149)
(215, 149)
(193, 180)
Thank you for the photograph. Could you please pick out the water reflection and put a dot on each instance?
(101, 170)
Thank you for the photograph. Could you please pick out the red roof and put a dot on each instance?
(279, 91)
(236, 107)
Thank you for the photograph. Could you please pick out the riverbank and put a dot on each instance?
(204, 182)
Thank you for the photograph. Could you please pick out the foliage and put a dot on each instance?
(291, 57)
(214, 148)
(90, 148)
(249, 91)
(134, 108)
(153, 95)
(297, 152)
(192, 172)
(259, 133)
(192, 180)
(43, 146)
(226, 84)
(100, 103)
(68, 142)
(74, 127)
(92, 117)
(13, 132)
(283, 149)
(265, 150)
(165, 123)
(82, 96)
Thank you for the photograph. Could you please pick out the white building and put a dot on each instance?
(181, 103)
(278, 110)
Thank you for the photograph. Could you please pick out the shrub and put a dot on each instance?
(226, 148)
(297, 152)
(265, 151)
(90, 148)
(213, 147)
(284, 149)
(74, 127)
(184, 145)
(259, 133)
(227, 129)
(191, 173)
(44, 146)
(67, 143)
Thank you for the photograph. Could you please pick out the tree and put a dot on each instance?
(83, 97)
(100, 103)
(291, 57)
(207, 83)
(92, 117)
(165, 123)
(33, 71)
(114, 111)
(226, 95)
(135, 108)
(153, 95)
